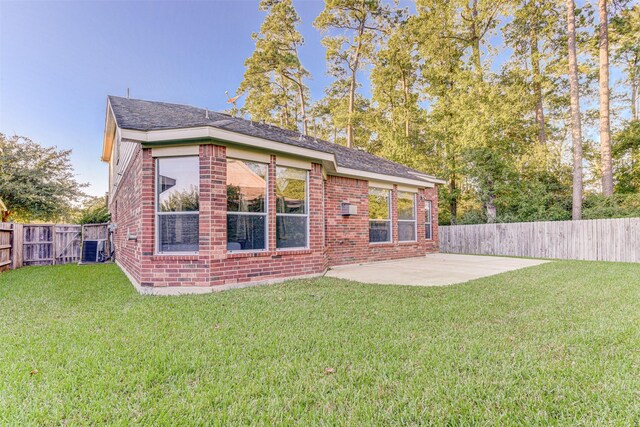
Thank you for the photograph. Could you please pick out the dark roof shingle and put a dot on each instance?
(135, 114)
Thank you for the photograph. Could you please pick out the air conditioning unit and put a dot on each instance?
(347, 209)
(93, 251)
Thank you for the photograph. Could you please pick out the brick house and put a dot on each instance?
(200, 198)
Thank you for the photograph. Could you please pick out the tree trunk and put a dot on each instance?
(634, 78)
(475, 40)
(352, 86)
(405, 92)
(576, 126)
(634, 101)
(491, 208)
(303, 103)
(537, 85)
(453, 200)
(605, 131)
(352, 95)
(303, 106)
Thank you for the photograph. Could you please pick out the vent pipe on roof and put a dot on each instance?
(206, 113)
(128, 93)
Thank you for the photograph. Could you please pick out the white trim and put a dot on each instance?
(209, 132)
(381, 185)
(293, 163)
(304, 215)
(408, 189)
(414, 220)
(267, 198)
(157, 214)
(354, 173)
(389, 220)
(110, 128)
(182, 150)
(248, 155)
(430, 222)
(429, 177)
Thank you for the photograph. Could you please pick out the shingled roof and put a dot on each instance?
(135, 114)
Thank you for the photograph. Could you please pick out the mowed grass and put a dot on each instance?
(555, 344)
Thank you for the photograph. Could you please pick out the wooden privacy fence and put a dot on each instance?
(597, 240)
(45, 244)
(6, 240)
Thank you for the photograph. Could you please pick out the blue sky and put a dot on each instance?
(59, 61)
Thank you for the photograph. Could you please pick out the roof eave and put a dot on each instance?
(154, 137)
(110, 127)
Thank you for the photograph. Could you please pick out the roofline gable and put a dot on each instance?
(110, 131)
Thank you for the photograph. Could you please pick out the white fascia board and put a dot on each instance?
(209, 132)
(355, 173)
(110, 129)
(429, 178)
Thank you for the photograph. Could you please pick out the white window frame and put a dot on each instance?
(265, 214)
(156, 198)
(389, 220)
(414, 220)
(428, 216)
(306, 214)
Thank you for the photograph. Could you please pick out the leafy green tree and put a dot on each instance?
(625, 45)
(274, 78)
(626, 152)
(398, 119)
(94, 211)
(442, 77)
(597, 206)
(533, 34)
(461, 89)
(353, 30)
(36, 182)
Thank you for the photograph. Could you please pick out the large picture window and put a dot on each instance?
(428, 226)
(406, 216)
(292, 210)
(246, 205)
(379, 215)
(177, 204)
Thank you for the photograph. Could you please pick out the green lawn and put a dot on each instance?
(553, 344)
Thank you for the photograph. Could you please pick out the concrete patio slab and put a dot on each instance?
(431, 270)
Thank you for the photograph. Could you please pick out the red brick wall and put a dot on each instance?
(347, 237)
(125, 207)
(333, 239)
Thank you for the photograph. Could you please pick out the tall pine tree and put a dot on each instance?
(353, 29)
(274, 79)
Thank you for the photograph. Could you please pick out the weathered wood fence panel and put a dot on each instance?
(6, 241)
(17, 254)
(67, 243)
(95, 231)
(596, 240)
(46, 244)
(38, 244)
